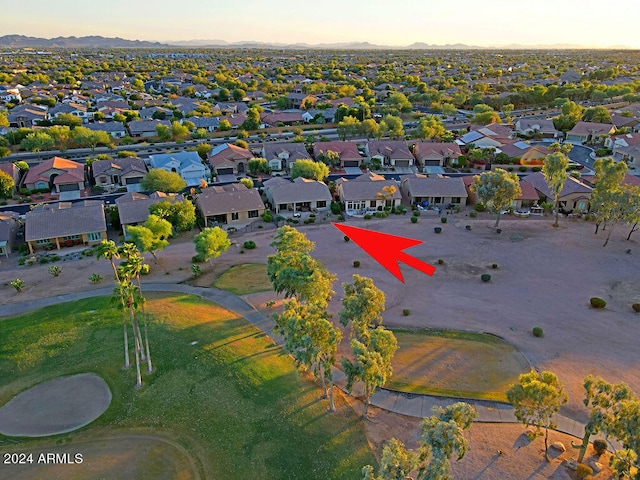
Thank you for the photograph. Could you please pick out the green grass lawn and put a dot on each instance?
(243, 279)
(233, 400)
(454, 363)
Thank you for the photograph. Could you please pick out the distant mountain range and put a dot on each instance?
(96, 41)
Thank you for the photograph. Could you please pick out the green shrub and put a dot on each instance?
(440, 261)
(600, 446)
(414, 219)
(346, 239)
(54, 258)
(381, 214)
(636, 307)
(356, 264)
(494, 265)
(249, 244)
(485, 277)
(368, 217)
(443, 219)
(522, 168)
(416, 213)
(479, 207)
(95, 278)
(406, 312)
(43, 260)
(400, 209)
(583, 471)
(55, 270)
(538, 332)
(145, 269)
(473, 214)
(335, 208)
(17, 284)
(536, 169)
(196, 270)
(197, 259)
(88, 252)
(267, 217)
(597, 302)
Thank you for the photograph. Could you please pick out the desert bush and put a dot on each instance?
(17, 284)
(267, 217)
(356, 264)
(416, 213)
(346, 239)
(536, 169)
(538, 332)
(597, 302)
(443, 219)
(636, 307)
(368, 216)
(406, 312)
(600, 446)
(479, 207)
(55, 270)
(494, 265)
(197, 259)
(473, 214)
(145, 269)
(95, 278)
(440, 261)
(335, 208)
(381, 214)
(522, 168)
(414, 219)
(583, 471)
(196, 270)
(249, 244)
(485, 277)
(43, 260)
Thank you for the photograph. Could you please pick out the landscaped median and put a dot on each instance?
(223, 393)
(455, 364)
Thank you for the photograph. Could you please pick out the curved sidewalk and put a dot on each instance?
(413, 405)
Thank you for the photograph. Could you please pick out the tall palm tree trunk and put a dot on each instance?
(127, 363)
(137, 348)
(146, 332)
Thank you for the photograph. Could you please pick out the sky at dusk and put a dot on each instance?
(587, 23)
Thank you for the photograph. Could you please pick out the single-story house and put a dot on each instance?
(133, 207)
(285, 118)
(368, 192)
(493, 135)
(626, 140)
(229, 204)
(300, 100)
(9, 226)
(630, 154)
(76, 109)
(119, 172)
(574, 196)
(281, 156)
(527, 198)
(535, 127)
(301, 195)
(590, 132)
(26, 115)
(394, 153)
(435, 190)
(436, 153)
(228, 159)
(64, 224)
(57, 174)
(146, 128)
(187, 164)
(347, 152)
(210, 124)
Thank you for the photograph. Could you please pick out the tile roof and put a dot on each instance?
(367, 187)
(70, 171)
(133, 207)
(423, 149)
(346, 150)
(572, 185)
(421, 186)
(218, 200)
(300, 190)
(394, 149)
(64, 219)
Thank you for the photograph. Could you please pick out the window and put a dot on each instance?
(234, 216)
(321, 204)
(437, 200)
(455, 199)
(44, 241)
(373, 203)
(253, 213)
(71, 237)
(94, 237)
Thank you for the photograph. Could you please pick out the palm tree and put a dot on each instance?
(108, 249)
(131, 297)
(132, 267)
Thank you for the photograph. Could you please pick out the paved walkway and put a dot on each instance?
(413, 405)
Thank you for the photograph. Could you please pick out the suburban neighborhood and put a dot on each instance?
(235, 213)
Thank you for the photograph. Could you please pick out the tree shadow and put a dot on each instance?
(521, 441)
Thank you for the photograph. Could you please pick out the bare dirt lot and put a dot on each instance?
(545, 277)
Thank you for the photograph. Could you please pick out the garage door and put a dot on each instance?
(225, 171)
(351, 163)
(402, 163)
(432, 163)
(69, 187)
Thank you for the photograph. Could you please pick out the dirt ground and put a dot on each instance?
(545, 277)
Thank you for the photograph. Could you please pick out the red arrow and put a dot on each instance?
(387, 249)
